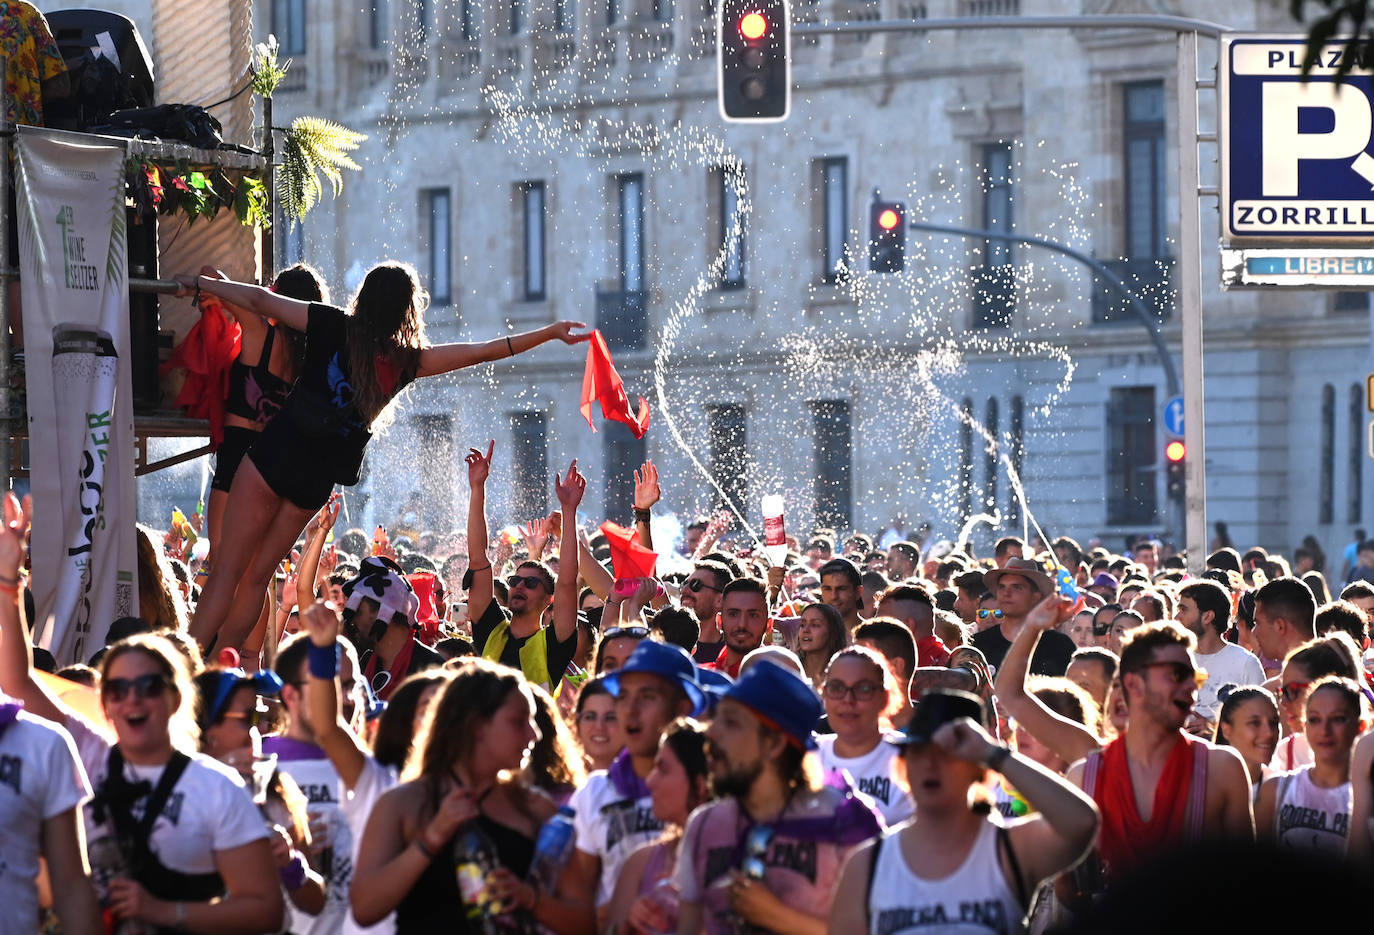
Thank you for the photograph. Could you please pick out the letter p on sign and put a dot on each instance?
(1284, 145)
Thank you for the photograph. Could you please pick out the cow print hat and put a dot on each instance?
(380, 579)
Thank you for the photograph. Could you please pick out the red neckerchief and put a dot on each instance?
(931, 651)
(1127, 839)
(400, 667)
(720, 665)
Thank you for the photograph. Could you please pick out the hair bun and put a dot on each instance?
(1225, 691)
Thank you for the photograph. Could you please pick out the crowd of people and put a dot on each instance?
(584, 730)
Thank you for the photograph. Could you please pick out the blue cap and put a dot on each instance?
(264, 681)
(713, 681)
(666, 661)
(780, 696)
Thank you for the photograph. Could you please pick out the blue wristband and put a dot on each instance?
(293, 874)
(324, 660)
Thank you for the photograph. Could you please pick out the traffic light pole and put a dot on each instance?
(1189, 206)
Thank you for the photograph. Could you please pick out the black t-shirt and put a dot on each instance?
(1051, 656)
(559, 654)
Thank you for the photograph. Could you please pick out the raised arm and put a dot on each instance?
(448, 357)
(16, 650)
(479, 563)
(570, 490)
(332, 733)
(647, 493)
(256, 299)
(601, 581)
(308, 569)
(1068, 739)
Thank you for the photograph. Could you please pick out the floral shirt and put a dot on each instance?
(27, 43)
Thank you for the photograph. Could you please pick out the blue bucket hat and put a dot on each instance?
(666, 661)
(227, 681)
(782, 698)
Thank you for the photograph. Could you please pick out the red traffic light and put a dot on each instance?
(753, 26)
(1175, 451)
(888, 219)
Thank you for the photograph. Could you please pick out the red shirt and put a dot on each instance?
(931, 651)
(720, 665)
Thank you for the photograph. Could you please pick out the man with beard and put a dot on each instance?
(769, 852)
(300, 757)
(1019, 586)
(613, 810)
(1204, 608)
(701, 594)
(743, 621)
(1157, 787)
(523, 642)
(379, 617)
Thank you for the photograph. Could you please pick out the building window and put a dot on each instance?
(1146, 175)
(727, 443)
(532, 196)
(517, 16)
(1354, 513)
(965, 460)
(630, 192)
(834, 184)
(1132, 474)
(1350, 302)
(378, 33)
(729, 186)
(562, 16)
(468, 21)
(288, 25)
(612, 12)
(434, 434)
(663, 10)
(530, 463)
(990, 452)
(422, 20)
(1018, 431)
(439, 283)
(1326, 507)
(994, 292)
(623, 454)
(834, 484)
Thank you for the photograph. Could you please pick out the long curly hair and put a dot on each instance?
(157, 583)
(386, 321)
(556, 760)
(304, 282)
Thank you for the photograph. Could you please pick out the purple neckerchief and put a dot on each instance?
(287, 750)
(627, 783)
(9, 711)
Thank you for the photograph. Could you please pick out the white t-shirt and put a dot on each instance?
(209, 809)
(331, 857)
(1231, 663)
(374, 780)
(610, 827)
(874, 774)
(40, 777)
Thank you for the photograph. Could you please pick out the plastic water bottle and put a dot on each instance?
(552, 849)
(107, 865)
(774, 530)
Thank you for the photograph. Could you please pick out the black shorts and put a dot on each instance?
(237, 441)
(291, 465)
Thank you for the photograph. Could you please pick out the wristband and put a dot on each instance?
(324, 660)
(642, 516)
(422, 847)
(479, 567)
(510, 347)
(997, 757)
(293, 874)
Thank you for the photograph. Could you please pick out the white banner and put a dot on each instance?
(73, 263)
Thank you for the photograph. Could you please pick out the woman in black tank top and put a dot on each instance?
(465, 797)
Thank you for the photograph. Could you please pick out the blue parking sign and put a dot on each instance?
(1296, 161)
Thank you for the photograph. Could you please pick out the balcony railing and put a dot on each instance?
(621, 317)
(1152, 281)
(989, 8)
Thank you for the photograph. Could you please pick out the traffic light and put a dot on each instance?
(1174, 454)
(886, 236)
(753, 59)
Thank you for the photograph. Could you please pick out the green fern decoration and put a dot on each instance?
(116, 259)
(313, 147)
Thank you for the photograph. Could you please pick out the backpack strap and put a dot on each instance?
(133, 836)
(1197, 793)
(1018, 881)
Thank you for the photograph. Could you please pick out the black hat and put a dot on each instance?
(935, 709)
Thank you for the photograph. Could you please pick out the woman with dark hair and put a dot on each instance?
(555, 761)
(160, 602)
(645, 896)
(598, 725)
(211, 869)
(820, 635)
(466, 773)
(260, 379)
(1248, 720)
(355, 364)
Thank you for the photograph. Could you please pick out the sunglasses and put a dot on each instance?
(696, 584)
(862, 691)
(252, 719)
(143, 687)
(1293, 691)
(756, 844)
(1179, 672)
(529, 581)
(637, 633)
(984, 613)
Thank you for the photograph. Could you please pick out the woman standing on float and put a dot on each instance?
(355, 364)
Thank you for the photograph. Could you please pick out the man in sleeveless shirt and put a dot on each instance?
(1156, 786)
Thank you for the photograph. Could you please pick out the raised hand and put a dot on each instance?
(570, 489)
(321, 623)
(1050, 613)
(536, 536)
(479, 465)
(565, 331)
(12, 536)
(647, 491)
(965, 739)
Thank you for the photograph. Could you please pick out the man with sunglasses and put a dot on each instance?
(523, 641)
(1157, 787)
(701, 594)
(1019, 585)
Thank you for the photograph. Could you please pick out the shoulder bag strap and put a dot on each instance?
(872, 875)
(1019, 881)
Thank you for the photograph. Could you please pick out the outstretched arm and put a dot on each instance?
(307, 570)
(447, 357)
(479, 563)
(260, 301)
(647, 493)
(332, 733)
(16, 650)
(570, 490)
